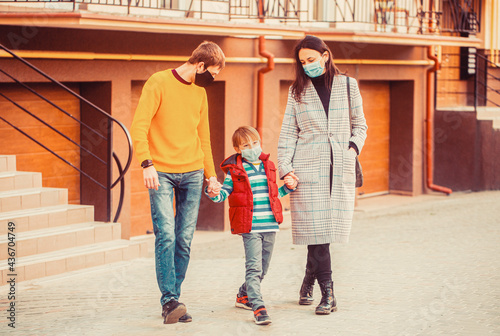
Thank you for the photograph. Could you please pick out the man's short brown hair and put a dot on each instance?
(244, 133)
(210, 54)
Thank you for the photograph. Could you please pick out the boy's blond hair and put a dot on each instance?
(210, 54)
(244, 133)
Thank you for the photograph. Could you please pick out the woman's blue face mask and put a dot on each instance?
(314, 69)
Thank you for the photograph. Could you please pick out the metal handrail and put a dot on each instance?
(485, 82)
(487, 60)
(444, 77)
(52, 127)
(53, 104)
(122, 171)
(48, 149)
(483, 89)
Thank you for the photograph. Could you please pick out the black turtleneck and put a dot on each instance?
(323, 92)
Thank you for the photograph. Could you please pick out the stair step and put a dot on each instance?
(11, 180)
(72, 259)
(58, 238)
(7, 163)
(45, 217)
(488, 113)
(496, 123)
(21, 199)
(52, 236)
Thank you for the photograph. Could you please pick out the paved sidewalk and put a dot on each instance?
(415, 266)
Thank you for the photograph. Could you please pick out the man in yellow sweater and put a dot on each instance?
(171, 138)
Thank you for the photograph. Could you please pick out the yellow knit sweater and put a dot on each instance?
(171, 126)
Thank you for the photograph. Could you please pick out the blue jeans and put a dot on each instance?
(174, 233)
(258, 252)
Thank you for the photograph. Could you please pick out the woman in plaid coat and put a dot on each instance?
(316, 144)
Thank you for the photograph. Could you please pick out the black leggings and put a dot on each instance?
(319, 262)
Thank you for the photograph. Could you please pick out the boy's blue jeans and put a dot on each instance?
(174, 233)
(258, 252)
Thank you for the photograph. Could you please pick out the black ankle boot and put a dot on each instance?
(306, 290)
(328, 303)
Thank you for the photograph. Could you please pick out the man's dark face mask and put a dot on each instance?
(203, 79)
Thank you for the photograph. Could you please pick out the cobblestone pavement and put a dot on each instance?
(428, 267)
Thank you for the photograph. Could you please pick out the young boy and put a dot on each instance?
(254, 211)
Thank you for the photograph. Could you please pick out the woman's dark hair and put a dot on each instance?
(314, 43)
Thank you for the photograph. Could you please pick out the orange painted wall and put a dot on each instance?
(240, 89)
(31, 156)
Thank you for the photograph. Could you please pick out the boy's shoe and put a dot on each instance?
(261, 317)
(186, 318)
(242, 302)
(172, 311)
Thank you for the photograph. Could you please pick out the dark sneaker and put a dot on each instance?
(242, 302)
(172, 311)
(186, 318)
(261, 317)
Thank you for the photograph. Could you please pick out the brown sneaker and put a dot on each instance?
(186, 318)
(172, 311)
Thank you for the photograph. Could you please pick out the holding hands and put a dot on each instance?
(291, 180)
(214, 187)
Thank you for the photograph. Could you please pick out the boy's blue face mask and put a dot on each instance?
(314, 69)
(251, 154)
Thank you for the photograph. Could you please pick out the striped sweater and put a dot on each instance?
(263, 219)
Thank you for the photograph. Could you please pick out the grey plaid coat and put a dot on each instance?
(306, 139)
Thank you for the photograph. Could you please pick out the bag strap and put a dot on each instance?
(349, 100)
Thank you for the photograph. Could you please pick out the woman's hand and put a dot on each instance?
(291, 180)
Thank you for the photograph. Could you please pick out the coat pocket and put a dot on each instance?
(349, 166)
(307, 166)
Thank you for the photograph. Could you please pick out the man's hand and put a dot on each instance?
(214, 186)
(291, 180)
(151, 177)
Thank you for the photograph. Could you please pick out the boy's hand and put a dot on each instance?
(291, 180)
(151, 177)
(213, 194)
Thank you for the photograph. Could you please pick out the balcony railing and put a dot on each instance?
(455, 17)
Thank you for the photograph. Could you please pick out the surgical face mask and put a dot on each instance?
(314, 69)
(203, 79)
(251, 154)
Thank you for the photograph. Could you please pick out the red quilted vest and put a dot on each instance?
(241, 199)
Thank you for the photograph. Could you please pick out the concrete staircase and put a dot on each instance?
(52, 236)
(489, 113)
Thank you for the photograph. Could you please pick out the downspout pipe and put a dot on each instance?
(260, 82)
(430, 126)
(260, 74)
